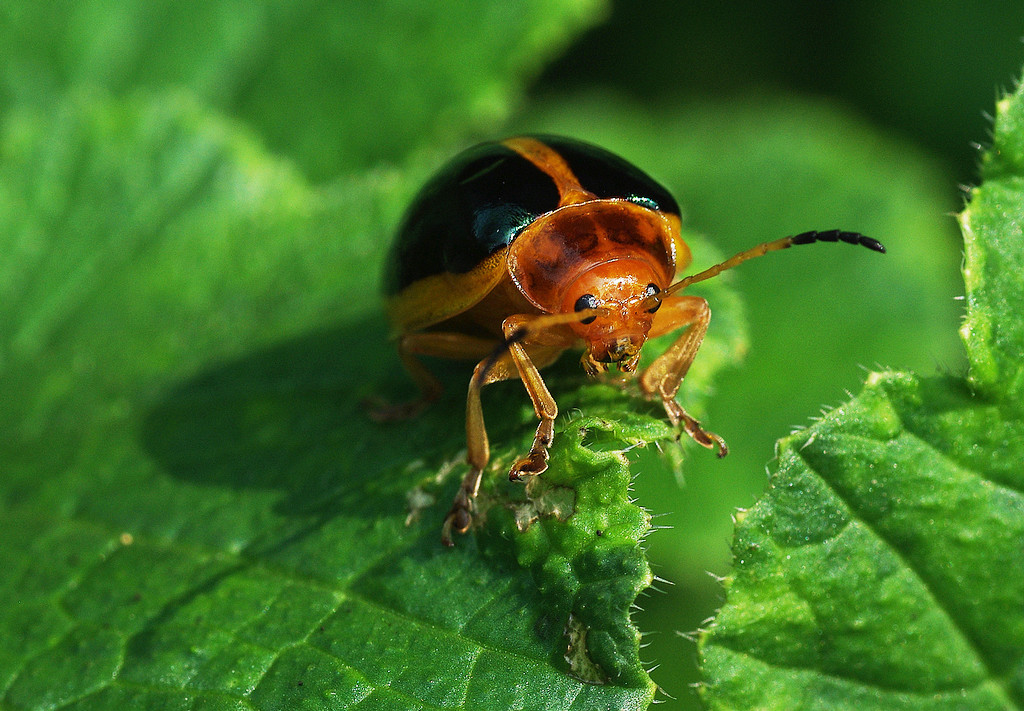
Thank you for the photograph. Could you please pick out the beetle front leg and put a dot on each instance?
(515, 362)
(478, 449)
(544, 406)
(664, 376)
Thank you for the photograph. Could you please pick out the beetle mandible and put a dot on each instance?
(520, 249)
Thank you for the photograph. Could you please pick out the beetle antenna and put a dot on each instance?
(535, 325)
(501, 349)
(784, 243)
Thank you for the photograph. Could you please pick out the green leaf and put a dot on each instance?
(195, 510)
(196, 506)
(334, 86)
(993, 330)
(882, 569)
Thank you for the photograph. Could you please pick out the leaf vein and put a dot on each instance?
(930, 586)
(954, 691)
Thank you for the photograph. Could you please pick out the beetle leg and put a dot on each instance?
(437, 344)
(544, 406)
(663, 377)
(478, 449)
(515, 362)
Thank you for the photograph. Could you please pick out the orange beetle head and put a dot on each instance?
(622, 294)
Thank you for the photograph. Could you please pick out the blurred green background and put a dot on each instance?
(926, 71)
(879, 107)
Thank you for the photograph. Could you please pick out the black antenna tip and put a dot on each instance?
(838, 236)
(873, 244)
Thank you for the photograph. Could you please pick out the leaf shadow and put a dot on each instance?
(292, 418)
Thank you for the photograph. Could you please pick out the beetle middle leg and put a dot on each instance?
(437, 344)
(663, 377)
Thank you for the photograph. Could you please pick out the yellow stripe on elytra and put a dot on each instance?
(435, 298)
(548, 160)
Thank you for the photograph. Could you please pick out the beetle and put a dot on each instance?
(519, 249)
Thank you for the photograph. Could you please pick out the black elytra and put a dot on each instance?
(480, 201)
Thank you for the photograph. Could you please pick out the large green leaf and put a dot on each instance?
(335, 86)
(195, 503)
(882, 570)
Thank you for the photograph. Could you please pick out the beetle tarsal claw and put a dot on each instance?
(691, 426)
(534, 463)
(702, 437)
(460, 517)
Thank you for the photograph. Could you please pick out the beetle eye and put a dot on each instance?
(651, 290)
(587, 301)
